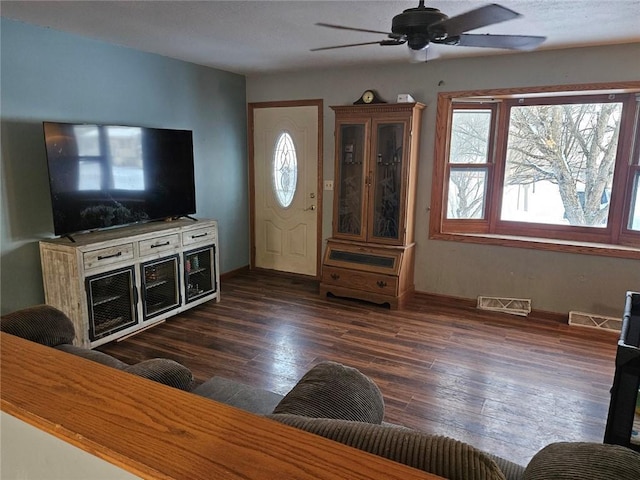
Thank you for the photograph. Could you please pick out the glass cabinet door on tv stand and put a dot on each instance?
(160, 286)
(111, 300)
(200, 273)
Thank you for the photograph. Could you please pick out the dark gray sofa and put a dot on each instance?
(310, 406)
(49, 326)
(340, 403)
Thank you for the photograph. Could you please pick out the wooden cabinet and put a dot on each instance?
(374, 203)
(116, 282)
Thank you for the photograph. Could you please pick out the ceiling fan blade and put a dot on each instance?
(480, 17)
(342, 27)
(379, 42)
(513, 42)
(393, 41)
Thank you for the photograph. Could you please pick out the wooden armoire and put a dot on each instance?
(370, 255)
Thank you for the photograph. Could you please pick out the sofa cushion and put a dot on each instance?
(435, 454)
(42, 324)
(580, 460)
(332, 390)
(252, 399)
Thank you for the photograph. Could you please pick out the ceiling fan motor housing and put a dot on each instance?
(415, 23)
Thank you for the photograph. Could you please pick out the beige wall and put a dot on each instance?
(28, 453)
(556, 282)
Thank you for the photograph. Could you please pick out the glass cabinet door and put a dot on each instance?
(112, 299)
(160, 286)
(200, 273)
(352, 159)
(387, 181)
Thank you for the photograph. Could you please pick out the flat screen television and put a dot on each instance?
(104, 176)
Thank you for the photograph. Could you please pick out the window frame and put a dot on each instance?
(616, 239)
(480, 225)
(627, 235)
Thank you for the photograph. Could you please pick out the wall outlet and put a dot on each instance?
(328, 184)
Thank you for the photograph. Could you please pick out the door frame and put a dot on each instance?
(252, 106)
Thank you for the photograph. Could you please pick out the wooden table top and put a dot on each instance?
(159, 432)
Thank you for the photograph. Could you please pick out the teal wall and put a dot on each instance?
(50, 75)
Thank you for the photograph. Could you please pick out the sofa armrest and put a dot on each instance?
(42, 324)
(165, 371)
(435, 454)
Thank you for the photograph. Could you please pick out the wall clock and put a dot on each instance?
(369, 96)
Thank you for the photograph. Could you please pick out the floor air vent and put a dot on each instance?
(592, 320)
(515, 306)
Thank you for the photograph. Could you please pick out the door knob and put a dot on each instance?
(312, 207)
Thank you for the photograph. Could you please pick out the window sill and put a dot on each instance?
(553, 245)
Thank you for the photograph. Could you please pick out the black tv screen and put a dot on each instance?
(104, 176)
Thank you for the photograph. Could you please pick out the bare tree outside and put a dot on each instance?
(468, 150)
(571, 146)
(559, 166)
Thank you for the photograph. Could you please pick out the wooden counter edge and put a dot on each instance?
(158, 432)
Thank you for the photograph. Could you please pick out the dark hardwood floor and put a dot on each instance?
(506, 384)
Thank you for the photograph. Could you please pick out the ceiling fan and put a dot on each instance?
(420, 26)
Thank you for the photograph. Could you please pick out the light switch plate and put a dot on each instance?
(328, 184)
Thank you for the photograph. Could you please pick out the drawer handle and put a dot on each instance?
(104, 257)
(381, 283)
(199, 236)
(335, 276)
(160, 244)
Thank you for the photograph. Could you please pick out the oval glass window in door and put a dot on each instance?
(285, 170)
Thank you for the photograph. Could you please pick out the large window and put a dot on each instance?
(518, 167)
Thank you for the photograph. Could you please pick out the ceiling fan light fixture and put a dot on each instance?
(419, 56)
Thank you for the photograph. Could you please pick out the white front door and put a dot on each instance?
(286, 194)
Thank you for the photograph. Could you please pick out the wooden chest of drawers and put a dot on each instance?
(381, 274)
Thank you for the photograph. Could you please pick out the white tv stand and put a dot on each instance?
(114, 283)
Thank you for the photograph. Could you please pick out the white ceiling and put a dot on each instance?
(273, 36)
